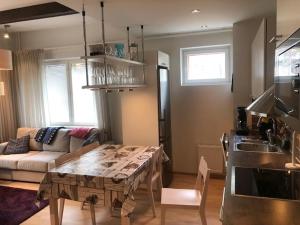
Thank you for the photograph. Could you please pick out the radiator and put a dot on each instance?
(214, 157)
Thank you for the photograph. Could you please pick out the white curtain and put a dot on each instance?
(8, 122)
(28, 70)
(102, 110)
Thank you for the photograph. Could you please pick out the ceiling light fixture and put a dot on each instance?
(196, 11)
(6, 34)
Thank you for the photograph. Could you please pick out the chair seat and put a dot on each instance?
(183, 197)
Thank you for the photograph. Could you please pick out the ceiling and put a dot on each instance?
(158, 16)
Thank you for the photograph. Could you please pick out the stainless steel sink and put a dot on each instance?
(250, 140)
(256, 147)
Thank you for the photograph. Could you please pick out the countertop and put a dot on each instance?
(243, 210)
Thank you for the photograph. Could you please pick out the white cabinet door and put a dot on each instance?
(258, 52)
(288, 18)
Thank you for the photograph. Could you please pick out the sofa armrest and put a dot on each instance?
(2, 147)
(51, 164)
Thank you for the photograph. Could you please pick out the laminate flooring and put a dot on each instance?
(73, 215)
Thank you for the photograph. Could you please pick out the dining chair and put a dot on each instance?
(188, 198)
(224, 143)
(155, 177)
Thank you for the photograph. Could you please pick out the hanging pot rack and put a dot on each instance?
(105, 59)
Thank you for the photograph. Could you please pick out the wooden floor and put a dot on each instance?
(73, 215)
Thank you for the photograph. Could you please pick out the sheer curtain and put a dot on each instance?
(8, 122)
(28, 70)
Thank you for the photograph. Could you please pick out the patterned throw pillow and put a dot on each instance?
(19, 146)
(91, 139)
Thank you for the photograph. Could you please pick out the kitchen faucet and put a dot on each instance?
(271, 133)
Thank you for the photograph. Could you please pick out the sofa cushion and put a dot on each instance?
(11, 161)
(76, 143)
(19, 146)
(3, 147)
(38, 162)
(32, 132)
(61, 142)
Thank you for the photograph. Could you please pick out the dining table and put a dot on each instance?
(105, 175)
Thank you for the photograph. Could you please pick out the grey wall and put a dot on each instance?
(199, 114)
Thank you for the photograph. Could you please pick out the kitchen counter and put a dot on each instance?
(249, 210)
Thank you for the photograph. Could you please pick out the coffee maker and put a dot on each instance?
(241, 121)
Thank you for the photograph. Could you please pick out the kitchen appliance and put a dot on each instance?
(164, 112)
(266, 183)
(287, 80)
(241, 121)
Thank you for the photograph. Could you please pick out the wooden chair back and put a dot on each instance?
(202, 180)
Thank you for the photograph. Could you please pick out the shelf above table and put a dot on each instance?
(114, 87)
(100, 58)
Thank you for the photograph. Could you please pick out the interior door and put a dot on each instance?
(164, 116)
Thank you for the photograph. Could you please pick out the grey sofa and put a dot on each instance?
(31, 166)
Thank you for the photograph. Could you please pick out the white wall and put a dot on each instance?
(199, 114)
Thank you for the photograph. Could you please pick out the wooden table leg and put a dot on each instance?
(53, 211)
(93, 216)
(127, 208)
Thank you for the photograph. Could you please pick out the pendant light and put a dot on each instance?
(6, 34)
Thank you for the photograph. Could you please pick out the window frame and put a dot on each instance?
(184, 52)
(72, 123)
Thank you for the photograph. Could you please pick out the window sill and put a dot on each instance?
(206, 84)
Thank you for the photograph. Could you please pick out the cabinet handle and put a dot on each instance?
(275, 38)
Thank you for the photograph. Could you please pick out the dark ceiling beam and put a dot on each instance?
(34, 12)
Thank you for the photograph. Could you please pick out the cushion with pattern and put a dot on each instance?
(18, 146)
(91, 139)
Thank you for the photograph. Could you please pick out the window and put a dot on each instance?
(66, 103)
(205, 65)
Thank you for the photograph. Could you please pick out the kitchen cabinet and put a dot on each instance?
(258, 52)
(288, 19)
(263, 57)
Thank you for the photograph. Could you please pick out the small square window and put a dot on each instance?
(205, 65)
